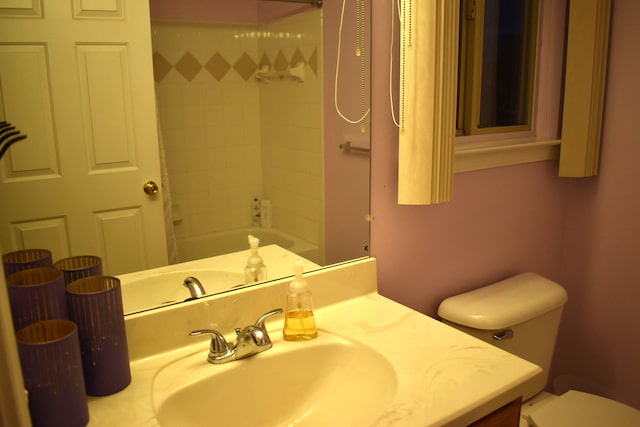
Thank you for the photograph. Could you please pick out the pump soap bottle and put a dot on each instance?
(299, 321)
(255, 271)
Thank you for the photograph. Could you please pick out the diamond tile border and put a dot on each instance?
(218, 66)
(245, 66)
(161, 67)
(188, 66)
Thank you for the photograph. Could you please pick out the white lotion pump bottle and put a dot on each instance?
(255, 271)
(265, 214)
(299, 321)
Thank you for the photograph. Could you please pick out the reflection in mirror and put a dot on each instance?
(240, 110)
(241, 88)
(249, 138)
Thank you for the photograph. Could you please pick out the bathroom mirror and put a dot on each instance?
(247, 117)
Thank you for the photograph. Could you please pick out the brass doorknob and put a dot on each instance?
(150, 188)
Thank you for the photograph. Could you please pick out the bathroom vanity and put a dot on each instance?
(374, 363)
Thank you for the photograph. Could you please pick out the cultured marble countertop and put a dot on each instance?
(444, 377)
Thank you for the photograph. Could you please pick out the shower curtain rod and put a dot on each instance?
(317, 3)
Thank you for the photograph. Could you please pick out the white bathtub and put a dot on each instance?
(224, 242)
(162, 286)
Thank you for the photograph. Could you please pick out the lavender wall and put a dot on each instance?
(599, 338)
(501, 221)
(582, 233)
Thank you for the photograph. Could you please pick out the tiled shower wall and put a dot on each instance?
(291, 130)
(229, 138)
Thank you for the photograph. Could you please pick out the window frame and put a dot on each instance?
(428, 147)
(470, 69)
(542, 141)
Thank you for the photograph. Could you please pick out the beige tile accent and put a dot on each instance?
(264, 62)
(188, 66)
(313, 61)
(161, 66)
(296, 58)
(217, 66)
(280, 63)
(245, 66)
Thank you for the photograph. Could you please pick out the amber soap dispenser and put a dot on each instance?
(299, 321)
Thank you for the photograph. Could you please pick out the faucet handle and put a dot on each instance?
(261, 320)
(219, 346)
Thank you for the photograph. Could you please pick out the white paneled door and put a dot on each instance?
(76, 77)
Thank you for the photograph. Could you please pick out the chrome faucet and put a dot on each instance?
(250, 340)
(195, 287)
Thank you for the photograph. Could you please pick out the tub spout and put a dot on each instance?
(195, 287)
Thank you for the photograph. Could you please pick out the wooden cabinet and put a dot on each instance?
(507, 416)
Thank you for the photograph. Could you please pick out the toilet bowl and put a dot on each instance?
(576, 409)
(521, 315)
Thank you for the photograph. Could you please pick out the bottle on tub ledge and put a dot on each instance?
(265, 214)
(255, 212)
(255, 271)
(299, 320)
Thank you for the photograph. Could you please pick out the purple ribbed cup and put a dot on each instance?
(36, 294)
(95, 304)
(52, 370)
(77, 267)
(25, 259)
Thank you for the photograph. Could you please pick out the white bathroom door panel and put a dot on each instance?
(78, 81)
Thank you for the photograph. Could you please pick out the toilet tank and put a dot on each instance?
(521, 315)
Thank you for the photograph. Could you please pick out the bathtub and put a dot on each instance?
(161, 286)
(224, 242)
(218, 261)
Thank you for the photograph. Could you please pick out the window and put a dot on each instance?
(497, 50)
(526, 127)
(428, 152)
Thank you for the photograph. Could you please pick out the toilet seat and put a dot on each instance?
(579, 409)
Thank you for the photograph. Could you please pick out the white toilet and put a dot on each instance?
(521, 315)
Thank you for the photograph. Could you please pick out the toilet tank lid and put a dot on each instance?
(505, 303)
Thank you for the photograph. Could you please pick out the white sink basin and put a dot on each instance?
(167, 287)
(329, 381)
